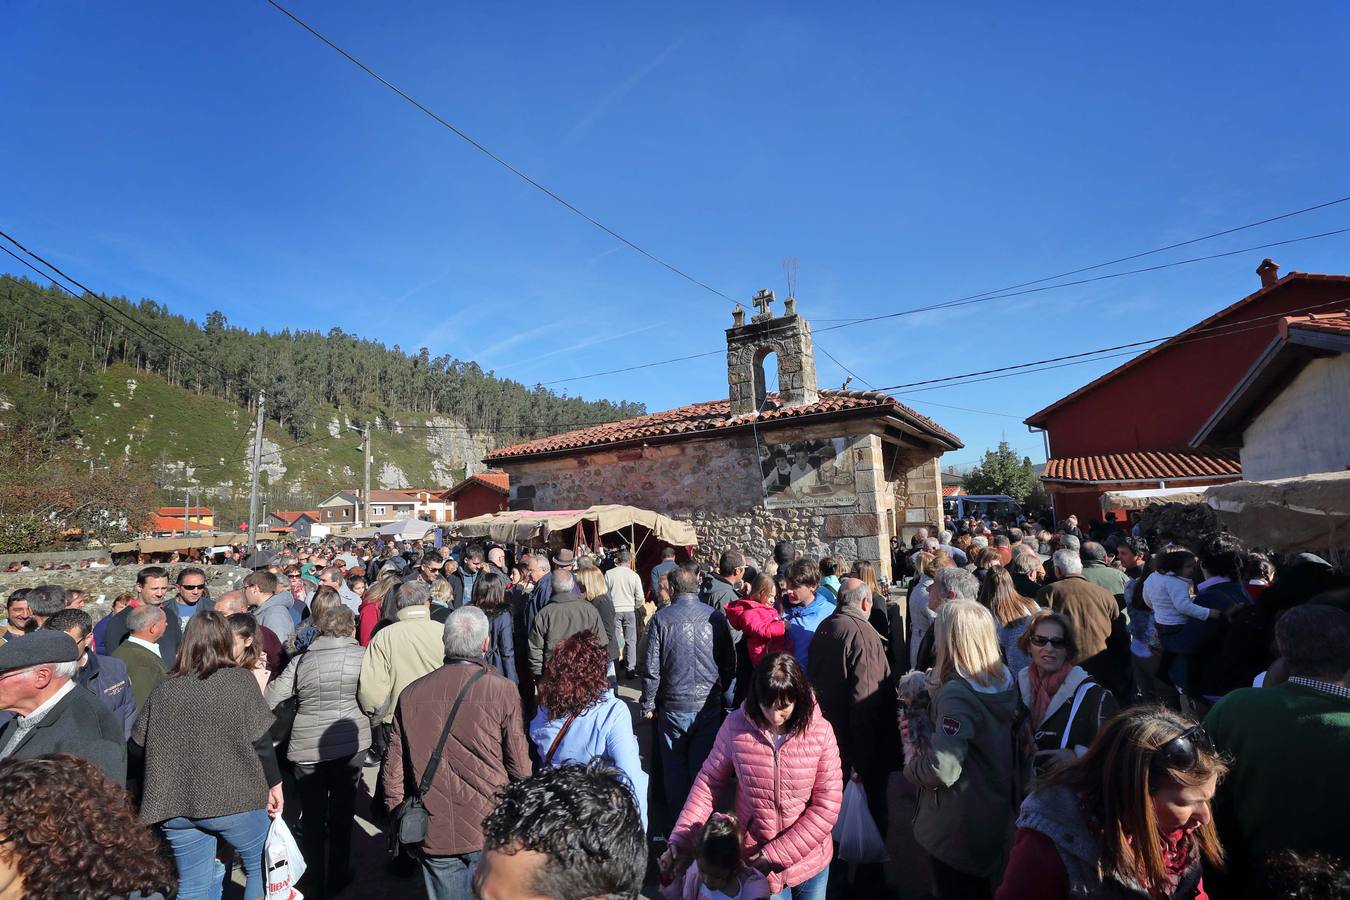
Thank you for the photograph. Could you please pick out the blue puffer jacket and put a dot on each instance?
(802, 622)
(690, 660)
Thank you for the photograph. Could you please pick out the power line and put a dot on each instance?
(142, 328)
(496, 158)
(976, 298)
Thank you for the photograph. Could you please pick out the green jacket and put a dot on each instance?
(1286, 789)
(969, 776)
(145, 669)
(1108, 577)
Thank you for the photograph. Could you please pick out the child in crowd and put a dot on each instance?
(759, 621)
(719, 871)
(1168, 592)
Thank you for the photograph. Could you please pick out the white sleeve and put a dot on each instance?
(1182, 602)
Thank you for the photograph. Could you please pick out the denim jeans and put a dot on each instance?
(194, 852)
(686, 740)
(812, 888)
(448, 877)
(626, 623)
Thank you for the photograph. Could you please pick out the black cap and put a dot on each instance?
(41, 646)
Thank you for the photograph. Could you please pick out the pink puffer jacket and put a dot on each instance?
(787, 800)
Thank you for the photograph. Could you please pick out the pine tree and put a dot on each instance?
(1001, 472)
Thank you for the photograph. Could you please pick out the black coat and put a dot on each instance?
(81, 725)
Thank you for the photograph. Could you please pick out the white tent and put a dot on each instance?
(1311, 512)
(1142, 499)
(406, 529)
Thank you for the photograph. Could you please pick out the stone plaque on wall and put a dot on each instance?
(807, 473)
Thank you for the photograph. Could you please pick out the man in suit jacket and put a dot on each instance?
(103, 676)
(140, 651)
(52, 714)
(152, 584)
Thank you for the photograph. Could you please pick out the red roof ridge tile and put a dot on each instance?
(1142, 465)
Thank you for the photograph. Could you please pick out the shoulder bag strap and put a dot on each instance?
(1073, 712)
(553, 747)
(435, 762)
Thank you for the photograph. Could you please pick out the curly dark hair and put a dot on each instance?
(584, 819)
(576, 676)
(72, 833)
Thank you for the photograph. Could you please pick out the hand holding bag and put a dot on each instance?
(410, 817)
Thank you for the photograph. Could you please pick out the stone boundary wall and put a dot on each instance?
(114, 580)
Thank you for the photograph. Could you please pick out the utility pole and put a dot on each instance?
(253, 477)
(187, 499)
(365, 488)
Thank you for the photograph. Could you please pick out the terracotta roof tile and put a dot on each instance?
(495, 479)
(1329, 322)
(1141, 465)
(716, 415)
(952, 490)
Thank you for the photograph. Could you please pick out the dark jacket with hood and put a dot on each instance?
(969, 773)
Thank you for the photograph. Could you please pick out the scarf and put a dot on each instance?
(1043, 690)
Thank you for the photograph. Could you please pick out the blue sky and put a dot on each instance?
(215, 156)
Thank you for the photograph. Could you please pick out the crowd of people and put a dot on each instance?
(1113, 714)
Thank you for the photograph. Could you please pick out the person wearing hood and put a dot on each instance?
(1130, 820)
(1067, 708)
(968, 770)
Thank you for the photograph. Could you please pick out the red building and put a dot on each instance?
(477, 495)
(1131, 428)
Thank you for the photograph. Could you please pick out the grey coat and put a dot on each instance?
(329, 723)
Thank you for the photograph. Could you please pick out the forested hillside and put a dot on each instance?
(62, 345)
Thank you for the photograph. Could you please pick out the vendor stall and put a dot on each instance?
(1311, 512)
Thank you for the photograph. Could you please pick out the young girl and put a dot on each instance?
(757, 619)
(1168, 592)
(719, 871)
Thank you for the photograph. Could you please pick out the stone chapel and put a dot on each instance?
(833, 471)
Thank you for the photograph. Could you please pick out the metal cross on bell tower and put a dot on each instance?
(763, 300)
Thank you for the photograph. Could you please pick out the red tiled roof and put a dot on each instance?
(175, 523)
(716, 415)
(952, 490)
(1141, 465)
(494, 479)
(1036, 419)
(195, 511)
(1329, 322)
(289, 516)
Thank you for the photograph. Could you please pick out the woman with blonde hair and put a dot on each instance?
(1011, 611)
(1130, 819)
(968, 770)
(592, 581)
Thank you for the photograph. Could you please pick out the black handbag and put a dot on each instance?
(410, 818)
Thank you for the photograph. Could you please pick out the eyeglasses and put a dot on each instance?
(192, 587)
(1041, 640)
(1183, 751)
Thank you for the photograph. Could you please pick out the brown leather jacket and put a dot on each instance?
(485, 750)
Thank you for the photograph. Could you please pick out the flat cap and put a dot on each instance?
(41, 646)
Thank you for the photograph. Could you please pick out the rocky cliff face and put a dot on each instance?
(452, 447)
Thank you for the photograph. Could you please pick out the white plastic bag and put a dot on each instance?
(282, 863)
(855, 831)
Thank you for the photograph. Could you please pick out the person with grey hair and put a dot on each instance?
(332, 576)
(141, 651)
(949, 583)
(625, 589)
(1027, 572)
(103, 676)
(851, 675)
(1103, 642)
(945, 544)
(566, 613)
(1071, 542)
(52, 715)
(399, 654)
(1096, 570)
(47, 600)
(484, 750)
(1283, 738)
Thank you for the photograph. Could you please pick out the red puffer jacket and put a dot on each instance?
(764, 630)
(788, 799)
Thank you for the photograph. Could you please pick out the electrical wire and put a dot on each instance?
(495, 157)
(980, 298)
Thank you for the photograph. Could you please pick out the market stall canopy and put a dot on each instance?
(1143, 499)
(168, 545)
(406, 529)
(1311, 512)
(534, 526)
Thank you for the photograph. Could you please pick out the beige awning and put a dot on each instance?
(1311, 512)
(169, 544)
(534, 527)
(1143, 499)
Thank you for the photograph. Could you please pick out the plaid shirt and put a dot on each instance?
(1325, 687)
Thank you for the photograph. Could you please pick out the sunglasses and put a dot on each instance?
(1041, 640)
(192, 587)
(1183, 751)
